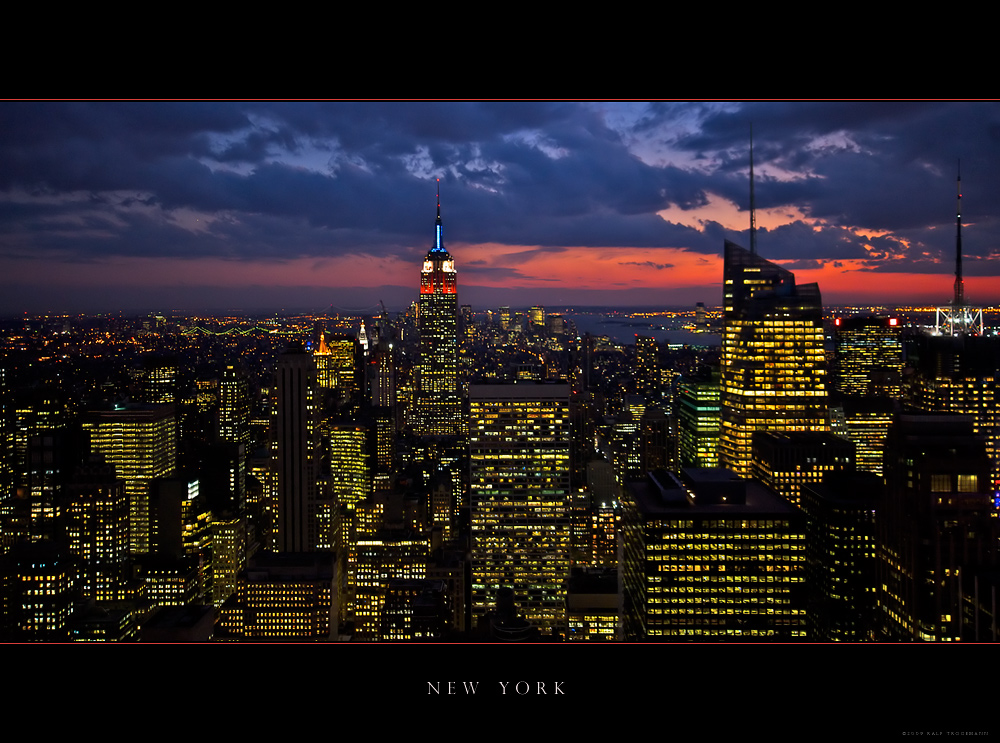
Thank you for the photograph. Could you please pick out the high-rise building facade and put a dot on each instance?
(140, 441)
(698, 419)
(647, 365)
(350, 463)
(295, 451)
(520, 470)
(936, 527)
(158, 380)
(537, 315)
(787, 461)
(961, 375)
(773, 364)
(282, 597)
(229, 554)
(36, 592)
(866, 423)
(840, 556)
(234, 424)
(97, 518)
(708, 555)
(438, 401)
(869, 359)
(338, 363)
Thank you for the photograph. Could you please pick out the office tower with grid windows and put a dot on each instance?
(96, 523)
(140, 441)
(869, 358)
(281, 597)
(647, 365)
(961, 374)
(698, 418)
(711, 556)
(773, 364)
(234, 425)
(520, 492)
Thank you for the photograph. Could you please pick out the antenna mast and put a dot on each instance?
(753, 207)
(958, 318)
(959, 283)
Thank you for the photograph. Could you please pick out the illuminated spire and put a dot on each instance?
(959, 318)
(959, 284)
(753, 206)
(363, 338)
(438, 236)
(437, 408)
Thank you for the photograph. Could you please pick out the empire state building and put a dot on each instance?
(438, 404)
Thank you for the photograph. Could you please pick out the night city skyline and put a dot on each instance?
(515, 391)
(202, 206)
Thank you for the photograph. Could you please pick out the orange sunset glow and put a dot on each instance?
(258, 204)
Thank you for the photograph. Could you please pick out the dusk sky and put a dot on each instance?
(249, 206)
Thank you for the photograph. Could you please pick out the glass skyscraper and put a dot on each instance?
(773, 365)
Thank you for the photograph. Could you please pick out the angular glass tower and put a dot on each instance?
(773, 363)
(438, 403)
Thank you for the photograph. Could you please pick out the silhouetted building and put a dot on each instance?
(296, 452)
(785, 462)
(936, 526)
(840, 556)
(37, 592)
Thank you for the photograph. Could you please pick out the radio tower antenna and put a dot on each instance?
(958, 318)
(753, 206)
(959, 283)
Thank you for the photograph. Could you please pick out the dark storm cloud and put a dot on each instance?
(887, 165)
(646, 264)
(493, 272)
(799, 240)
(282, 180)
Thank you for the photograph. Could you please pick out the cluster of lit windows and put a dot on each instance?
(719, 576)
(290, 610)
(772, 378)
(975, 396)
(141, 444)
(593, 626)
(438, 403)
(521, 504)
